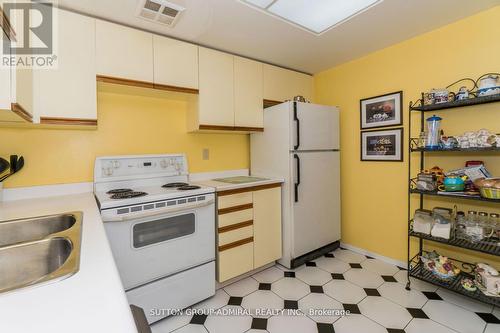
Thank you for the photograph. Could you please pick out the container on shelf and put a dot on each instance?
(433, 132)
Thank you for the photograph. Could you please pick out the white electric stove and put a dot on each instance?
(161, 230)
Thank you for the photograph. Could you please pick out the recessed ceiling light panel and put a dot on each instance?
(316, 16)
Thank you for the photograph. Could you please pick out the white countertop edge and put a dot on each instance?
(203, 176)
(44, 191)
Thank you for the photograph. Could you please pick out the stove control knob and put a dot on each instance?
(116, 164)
(108, 171)
(163, 164)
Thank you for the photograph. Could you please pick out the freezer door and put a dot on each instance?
(314, 127)
(315, 200)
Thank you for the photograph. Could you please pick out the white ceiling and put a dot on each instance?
(231, 26)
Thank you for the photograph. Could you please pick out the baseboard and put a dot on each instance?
(374, 255)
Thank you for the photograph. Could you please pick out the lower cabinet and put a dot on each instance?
(249, 229)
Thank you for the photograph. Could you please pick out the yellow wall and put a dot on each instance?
(374, 194)
(131, 121)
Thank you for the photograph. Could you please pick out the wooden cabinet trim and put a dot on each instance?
(268, 103)
(21, 112)
(144, 84)
(68, 121)
(248, 189)
(235, 226)
(230, 128)
(235, 209)
(235, 244)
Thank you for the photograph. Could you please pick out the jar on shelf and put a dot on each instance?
(460, 225)
(494, 221)
(474, 229)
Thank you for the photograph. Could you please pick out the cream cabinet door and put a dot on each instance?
(216, 98)
(248, 93)
(123, 52)
(282, 84)
(175, 62)
(69, 91)
(267, 226)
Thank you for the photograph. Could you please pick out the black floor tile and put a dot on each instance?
(290, 274)
(329, 255)
(355, 265)
(316, 289)
(432, 295)
(264, 286)
(388, 278)
(371, 292)
(325, 328)
(311, 264)
(395, 330)
(368, 257)
(259, 323)
(353, 308)
(417, 313)
(337, 276)
(488, 317)
(401, 268)
(235, 300)
(198, 319)
(291, 305)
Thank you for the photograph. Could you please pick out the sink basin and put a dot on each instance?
(25, 230)
(37, 250)
(34, 262)
(240, 179)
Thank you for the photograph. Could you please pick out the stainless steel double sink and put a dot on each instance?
(38, 250)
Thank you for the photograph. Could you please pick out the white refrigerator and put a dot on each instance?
(300, 144)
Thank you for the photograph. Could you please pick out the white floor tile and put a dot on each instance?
(291, 324)
(313, 275)
(349, 256)
(170, 324)
(455, 317)
(319, 302)
(262, 299)
(355, 323)
(243, 287)
(228, 324)
(344, 291)
(397, 293)
(290, 288)
(492, 328)
(419, 285)
(191, 328)
(217, 301)
(384, 312)
(269, 275)
(464, 302)
(379, 267)
(363, 278)
(332, 265)
(428, 326)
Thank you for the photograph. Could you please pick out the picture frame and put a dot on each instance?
(381, 111)
(382, 145)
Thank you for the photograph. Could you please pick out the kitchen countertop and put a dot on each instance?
(92, 300)
(221, 186)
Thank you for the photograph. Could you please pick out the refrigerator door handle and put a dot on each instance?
(297, 125)
(297, 183)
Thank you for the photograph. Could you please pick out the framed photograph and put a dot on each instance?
(382, 145)
(382, 111)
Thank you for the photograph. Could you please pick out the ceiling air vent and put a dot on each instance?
(159, 11)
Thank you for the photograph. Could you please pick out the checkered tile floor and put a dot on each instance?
(373, 291)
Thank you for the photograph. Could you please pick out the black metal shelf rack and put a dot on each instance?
(415, 266)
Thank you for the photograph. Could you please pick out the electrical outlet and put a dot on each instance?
(205, 154)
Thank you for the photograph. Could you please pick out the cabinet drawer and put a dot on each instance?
(235, 261)
(234, 200)
(235, 217)
(235, 235)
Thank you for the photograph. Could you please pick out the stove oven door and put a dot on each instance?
(154, 247)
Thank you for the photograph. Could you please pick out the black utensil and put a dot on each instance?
(13, 162)
(19, 164)
(4, 165)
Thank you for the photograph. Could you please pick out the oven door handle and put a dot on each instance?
(155, 212)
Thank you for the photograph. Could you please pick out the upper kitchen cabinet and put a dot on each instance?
(282, 84)
(175, 64)
(67, 94)
(123, 52)
(216, 99)
(248, 94)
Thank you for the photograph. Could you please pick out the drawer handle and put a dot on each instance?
(235, 226)
(235, 244)
(235, 209)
